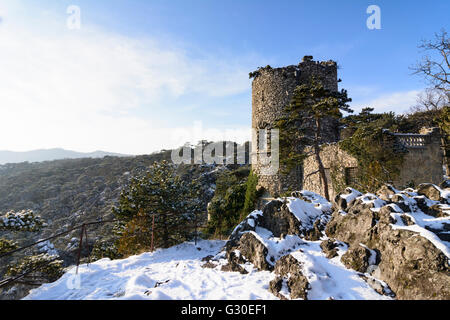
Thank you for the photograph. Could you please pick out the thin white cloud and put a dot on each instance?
(399, 102)
(362, 91)
(88, 89)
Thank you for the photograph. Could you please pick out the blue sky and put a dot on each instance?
(144, 75)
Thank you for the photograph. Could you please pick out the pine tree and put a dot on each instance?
(251, 195)
(311, 104)
(39, 267)
(160, 194)
(225, 207)
(7, 245)
(24, 220)
(379, 153)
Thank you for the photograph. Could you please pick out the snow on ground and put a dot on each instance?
(329, 279)
(173, 273)
(176, 273)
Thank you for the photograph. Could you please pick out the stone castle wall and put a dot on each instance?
(335, 162)
(422, 163)
(272, 91)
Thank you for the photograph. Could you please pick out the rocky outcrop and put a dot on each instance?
(290, 278)
(357, 258)
(410, 259)
(330, 248)
(393, 240)
(280, 219)
(249, 249)
(430, 191)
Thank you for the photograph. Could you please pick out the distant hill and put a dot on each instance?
(69, 192)
(50, 155)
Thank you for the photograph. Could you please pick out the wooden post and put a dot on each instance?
(153, 231)
(87, 244)
(80, 245)
(195, 236)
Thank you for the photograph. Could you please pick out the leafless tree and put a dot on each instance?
(431, 100)
(435, 64)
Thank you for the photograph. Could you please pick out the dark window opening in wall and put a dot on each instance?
(351, 176)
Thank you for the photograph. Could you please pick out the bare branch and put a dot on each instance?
(436, 72)
(310, 174)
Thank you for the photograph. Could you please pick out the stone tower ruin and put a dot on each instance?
(272, 91)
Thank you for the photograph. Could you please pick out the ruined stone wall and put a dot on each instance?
(335, 162)
(272, 91)
(423, 162)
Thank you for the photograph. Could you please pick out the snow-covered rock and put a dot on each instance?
(284, 237)
(405, 231)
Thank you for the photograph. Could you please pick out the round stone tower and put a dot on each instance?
(272, 90)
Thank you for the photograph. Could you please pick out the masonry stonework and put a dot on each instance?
(424, 160)
(272, 91)
(335, 161)
(422, 163)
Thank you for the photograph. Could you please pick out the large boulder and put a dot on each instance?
(429, 190)
(249, 249)
(413, 267)
(330, 248)
(361, 224)
(357, 258)
(386, 192)
(289, 274)
(279, 220)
